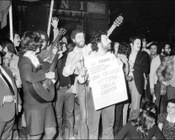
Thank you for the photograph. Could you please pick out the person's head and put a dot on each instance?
(135, 43)
(44, 39)
(166, 49)
(78, 37)
(153, 48)
(171, 107)
(149, 106)
(100, 41)
(16, 40)
(31, 41)
(7, 50)
(124, 48)
(145, 121)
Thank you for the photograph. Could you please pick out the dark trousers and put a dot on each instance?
(6, 129)
(107, 116)
(160, 99)
(65, 101)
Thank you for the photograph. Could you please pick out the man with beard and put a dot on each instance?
(166, 49)
(75, 66)
(101, 45)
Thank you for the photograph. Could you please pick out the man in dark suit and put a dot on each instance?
(10, 102)
(139, 63)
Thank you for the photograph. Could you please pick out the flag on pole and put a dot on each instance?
(4, 9)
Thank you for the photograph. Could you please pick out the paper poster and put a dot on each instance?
(106, 80)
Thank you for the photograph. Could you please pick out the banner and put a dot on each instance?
(106, 80)
(4, 9)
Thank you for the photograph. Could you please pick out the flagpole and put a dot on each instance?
(50, 17)
(11, 23)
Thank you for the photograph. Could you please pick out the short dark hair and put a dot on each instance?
(75, 32)
(31, 40)
(154, 43)
(170, 101)
(133, 38)
(95, 39)
(6, 42)
(149, 106)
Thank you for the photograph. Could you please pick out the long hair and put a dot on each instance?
(95, 39)
(9, 44)
(31, 40)
(141, 123)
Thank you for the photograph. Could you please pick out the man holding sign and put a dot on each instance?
(107, 86)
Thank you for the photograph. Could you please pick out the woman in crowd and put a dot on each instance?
(40, 118)
(166, 121)
(141, 127)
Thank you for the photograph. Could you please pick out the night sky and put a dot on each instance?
(154, 18)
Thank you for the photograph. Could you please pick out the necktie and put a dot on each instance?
(8, 83)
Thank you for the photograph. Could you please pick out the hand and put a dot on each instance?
(50, 75)
(129, 78)
(165, 83)
(83, 72)
(54, 22)
(9, 99)
(19, 108)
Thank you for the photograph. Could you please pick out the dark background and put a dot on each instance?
(155, 19)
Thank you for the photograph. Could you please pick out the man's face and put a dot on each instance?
(79, 40)
(167, 49)
(136, 45)
(153, 50)
(16, 40)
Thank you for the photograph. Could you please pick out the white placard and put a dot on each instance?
(106, 80)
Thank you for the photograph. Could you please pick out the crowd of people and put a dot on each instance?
(45, 89)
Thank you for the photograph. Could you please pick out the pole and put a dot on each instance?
(50, 17)
(11, 23)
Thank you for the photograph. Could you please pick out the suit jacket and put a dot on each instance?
(141, 66)
(8, 110)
